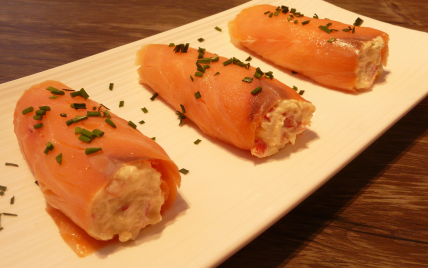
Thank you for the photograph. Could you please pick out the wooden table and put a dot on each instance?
(373, 213)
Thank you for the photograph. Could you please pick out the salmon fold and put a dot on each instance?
(259, 114)
(103, 174)
(334, 54)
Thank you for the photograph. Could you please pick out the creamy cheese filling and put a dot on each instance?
(129, 202)
(281, 125)
(369, 62)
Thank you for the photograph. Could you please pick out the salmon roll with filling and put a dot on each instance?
(334, 54)
(95, 167)
(224, 99)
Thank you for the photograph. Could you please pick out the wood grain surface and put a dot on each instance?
(373, 213)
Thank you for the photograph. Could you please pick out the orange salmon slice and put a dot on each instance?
(115, 190)
(334, 54)
(215, 97)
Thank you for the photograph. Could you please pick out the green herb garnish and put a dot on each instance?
(77, 130)
(171, 44)
(37, 126)
(63, 115)
(27, 110)
(249, 58)
(216, 73)
(84, 138)
(78, 106)
(92, 150)
(358, 22)
(11, 164)
(305, 22)
(197, 141)
(218, 29)
(258, 73)
(108, 121)
(144, 109)
(331, 40)
(184, 171)
(198, 95)
(45, 108)
(38, 117)
(153, 97)
(69, 122)
(256, 90)
(12, 200)
(141, 122)
(229, 61)
(93, 114)
(181, 116)
(98, 133)
(214, 59)
(248, 79)
(49, 147)
(182, 108)
(121, 103)
(58, 158)
(110, 86)
(79, 118)
(201, 40)
(130, 123)
(199, 74)
(53, 97)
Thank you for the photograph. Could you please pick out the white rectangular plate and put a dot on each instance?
(229, 197)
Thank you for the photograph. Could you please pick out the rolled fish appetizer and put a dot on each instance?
(334, 54)
(227, 98)
(93, 166)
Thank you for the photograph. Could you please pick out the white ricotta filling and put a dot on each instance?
(369, 62)
(281, 125)
(129, 202)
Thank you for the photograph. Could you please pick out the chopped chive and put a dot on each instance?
(77, 130)
(38, 117)
(331, 40)
(45, 108)
(12, 200)
(93, 114)
(182, 108)
(325, 28)
(270, 15)
(296, 21)
(197, 141)
(316, 16)
(153, 97)
(110, 86)
(305, 22)
(98, 133)
(9, 214)
(36, 182)
(121, 103)
(229, 61)
(177, 48)
(106, 113)
(50, 88)
(207, 66)
(75, 94)
(37, 126)
(276, 13)
(218, 29)
(184, 171)
(78, 106)
(204, 60)
(108, 121)
(353, 29)
(84, 138)
(49, 147)
(171, 45)
(67, 89)
(185, 48)
(256, 90)
(102, 105)
(248, 79)
(295, 88)
(214, 59)
(269, 75)
(94, 108)
(11, 164)
(199, 74)
(201, 40)
(293, 10)
(87, 133)
(198, 95)
(216, 73)
(40, 112)
(301, 92)
(258, 73)
(154, 138)
(141, 122)
(63, 115)
(79, 118)
(57, 92)
(130, 123)
(53, 97)
(69, 122)
(58, 158)
(191, 77)
(347, 29)
(1, 193)
(92, 150)
(3, 188)
(27, 110)
(249, 58)
(181, 116)
(294, 72)
(358, 22)
(144, 109)
(267, 12)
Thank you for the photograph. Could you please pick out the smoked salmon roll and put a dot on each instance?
(95, 167)
(334, 54)
(226, 98)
